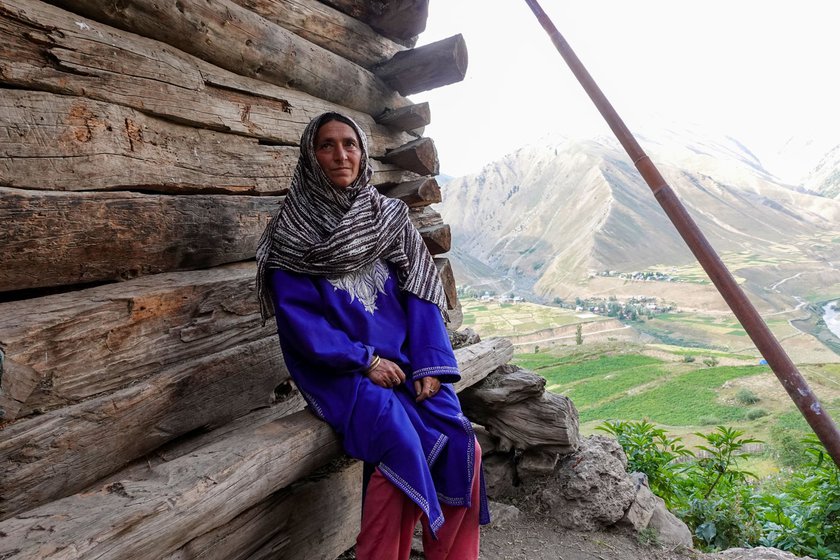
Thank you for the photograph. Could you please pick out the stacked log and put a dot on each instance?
(145, 408)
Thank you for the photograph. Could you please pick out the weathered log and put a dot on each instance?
(57, 239)
(421, 192)
(100, 339)
(444, 268)
(328, 28)
(428, 67)
(241, 41)
(59, 142)
(402, 19)
(57, 454)
(315, 518)
(518, 412)
(411, 117)
(178, 501)
(424, 217)
(388, 175)
(438, 239)
(90, 59)
(187, 497)
(419, 156)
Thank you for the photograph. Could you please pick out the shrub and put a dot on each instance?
(708, 420)
(688, 358)
(745, 396)
(756, 413)
(711, 361)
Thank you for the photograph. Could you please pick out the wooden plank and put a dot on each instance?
(59, 453)
(101, 339)
(448, 279)
(59, 142)
(59, 238)
(421, 192)
(241, 41)
(328, 28)
(402, 19)
(438, 239)
(93, 60)
(419, 156)
(315, 518)
(182, 499)
(424, 217)
(407, 118)
(428, 67)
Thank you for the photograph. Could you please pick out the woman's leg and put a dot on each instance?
(388, 521)
(458, 538)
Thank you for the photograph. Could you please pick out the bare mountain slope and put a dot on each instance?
(552, 215)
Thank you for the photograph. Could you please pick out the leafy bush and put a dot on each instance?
(745, 396)
(688, 358)
(711, 361)
(651, 451)
(708, 420)
(756, 413)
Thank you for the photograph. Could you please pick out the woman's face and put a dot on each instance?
(338, 152)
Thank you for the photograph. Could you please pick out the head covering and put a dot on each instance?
(325, 230)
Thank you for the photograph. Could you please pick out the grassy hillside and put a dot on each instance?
(708, 375)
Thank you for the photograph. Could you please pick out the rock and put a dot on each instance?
(464, 337)
(537, 461)
(757, 553)
(499, 473)
(641, 510)
(590, 490)
(485, 439)
(501, 514)
(673, 533)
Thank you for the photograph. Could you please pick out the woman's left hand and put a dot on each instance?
(426, 387)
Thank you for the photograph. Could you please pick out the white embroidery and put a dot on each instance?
(364, 284)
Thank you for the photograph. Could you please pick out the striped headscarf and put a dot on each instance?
(327, 231)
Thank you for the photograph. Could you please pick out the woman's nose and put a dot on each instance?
(340, 153)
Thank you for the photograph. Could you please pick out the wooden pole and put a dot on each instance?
(781, 364)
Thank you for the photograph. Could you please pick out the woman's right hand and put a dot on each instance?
(387, 374)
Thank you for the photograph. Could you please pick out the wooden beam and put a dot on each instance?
(328, 28)
(402, 19)
(179, 500)
(424, 217)
(438, 238)
(421, 192)
(56, 239)
(77, 345)
(50, 456)
(448, 278)
(93, 60)
(407, 118)
(428, 67)
(241, 41)
(418, 156)
(314, 518)
(60, 142)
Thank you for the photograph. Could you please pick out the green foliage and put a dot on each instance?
(650, 451)
(579, 334)
(688, 358)
(756, 413)
(745, 396)
(801, 513)
(711, 361)
(718, 466)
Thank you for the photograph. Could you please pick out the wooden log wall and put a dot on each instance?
(145, 410)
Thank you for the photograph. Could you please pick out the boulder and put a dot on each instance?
(641, 510)
(673, 533)
(499, 474)
(590, 489)
(757, 553)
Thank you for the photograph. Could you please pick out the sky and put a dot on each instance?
(763, 72)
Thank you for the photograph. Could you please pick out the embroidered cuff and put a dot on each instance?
(447, 374)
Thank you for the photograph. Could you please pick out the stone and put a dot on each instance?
(641, 510)
(590, 489)
(502, 514)
(673, 533)
(757, 553)
(499, 473)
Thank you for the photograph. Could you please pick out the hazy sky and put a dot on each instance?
(761, 71)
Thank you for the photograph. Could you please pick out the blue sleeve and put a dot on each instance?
(428, 343)
(306, 335)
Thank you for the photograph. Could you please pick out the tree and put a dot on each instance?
(579, 334)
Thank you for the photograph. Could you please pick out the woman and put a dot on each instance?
(359, 308)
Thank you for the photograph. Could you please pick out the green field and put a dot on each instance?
(687, 380)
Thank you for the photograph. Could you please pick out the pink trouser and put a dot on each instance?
(389, 518)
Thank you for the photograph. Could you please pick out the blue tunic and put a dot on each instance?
(330, 329)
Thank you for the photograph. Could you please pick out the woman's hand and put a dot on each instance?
(386, 374)
(426, 387)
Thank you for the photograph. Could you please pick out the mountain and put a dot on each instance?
(825, 178)
(547, 218)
